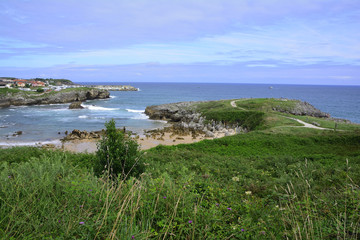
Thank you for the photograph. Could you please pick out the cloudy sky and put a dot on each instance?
(243, 41)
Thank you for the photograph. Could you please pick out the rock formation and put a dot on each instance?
(76, 105)
(65, 96)
(186, 120)
(303, 109)
(80, 135)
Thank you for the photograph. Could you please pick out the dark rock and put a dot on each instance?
(80, 135)
(17, 133)
(76, 105)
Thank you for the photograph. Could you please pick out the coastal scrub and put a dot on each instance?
(118, 154)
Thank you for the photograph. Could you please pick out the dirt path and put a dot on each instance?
(308, 125)
(233, 104)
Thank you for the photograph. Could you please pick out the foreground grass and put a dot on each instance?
(253, 186)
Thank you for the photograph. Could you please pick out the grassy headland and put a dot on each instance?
(278, 181)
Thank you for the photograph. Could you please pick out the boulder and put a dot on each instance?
(76, 105)
(209, 134)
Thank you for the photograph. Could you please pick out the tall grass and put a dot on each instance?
(253, 186)
(309, 214)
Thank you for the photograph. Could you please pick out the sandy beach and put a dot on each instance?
(145, 142)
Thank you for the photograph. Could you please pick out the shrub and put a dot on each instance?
(118, 154)
(247, 119)
(40, 90)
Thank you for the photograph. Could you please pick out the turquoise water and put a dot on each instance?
(43, 123)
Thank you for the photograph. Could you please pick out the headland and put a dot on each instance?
(190, 122)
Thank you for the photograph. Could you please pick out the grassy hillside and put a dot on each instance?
(281, 181)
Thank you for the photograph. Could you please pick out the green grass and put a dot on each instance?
(4, 91)
(259, 114)
(222, 111)
(266, 104)
(264, 183)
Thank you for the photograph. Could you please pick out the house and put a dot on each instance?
(20, 82)
(2, 84)
(37, 84)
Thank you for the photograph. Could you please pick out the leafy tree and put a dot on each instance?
(40, 90)
(118, 154)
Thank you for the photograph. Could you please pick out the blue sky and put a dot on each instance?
(242, 41)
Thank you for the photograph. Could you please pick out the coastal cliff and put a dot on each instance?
(230, 116)
(19, 98)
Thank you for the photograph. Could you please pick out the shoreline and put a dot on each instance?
(161, 136)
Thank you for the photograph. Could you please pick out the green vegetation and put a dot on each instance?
(40, 90)
(277, 182)
(266, 104)
(5, 91)
(222, 111)
(118, 154)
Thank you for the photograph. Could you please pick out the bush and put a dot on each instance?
(40, 90)
(118, 154)
(249, 119)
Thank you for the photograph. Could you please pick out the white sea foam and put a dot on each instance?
(112, 96)
(58, 109)
(140, 116)
(135, 111)
(39, 143)
(83, 116)
(97, 108)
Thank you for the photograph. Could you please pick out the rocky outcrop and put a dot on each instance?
(81, 135)
(65, 96)
(302, 109)
(186, 120)
(115, 87)
(174, 112)
(76, 105)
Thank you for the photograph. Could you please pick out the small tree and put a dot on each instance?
(118, 154)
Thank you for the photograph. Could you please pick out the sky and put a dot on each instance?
(233, 41)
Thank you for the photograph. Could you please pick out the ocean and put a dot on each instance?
(48, 123)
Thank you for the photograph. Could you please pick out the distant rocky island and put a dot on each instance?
(16, 92)
(115, 87)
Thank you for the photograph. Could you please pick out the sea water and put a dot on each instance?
(47, 123)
